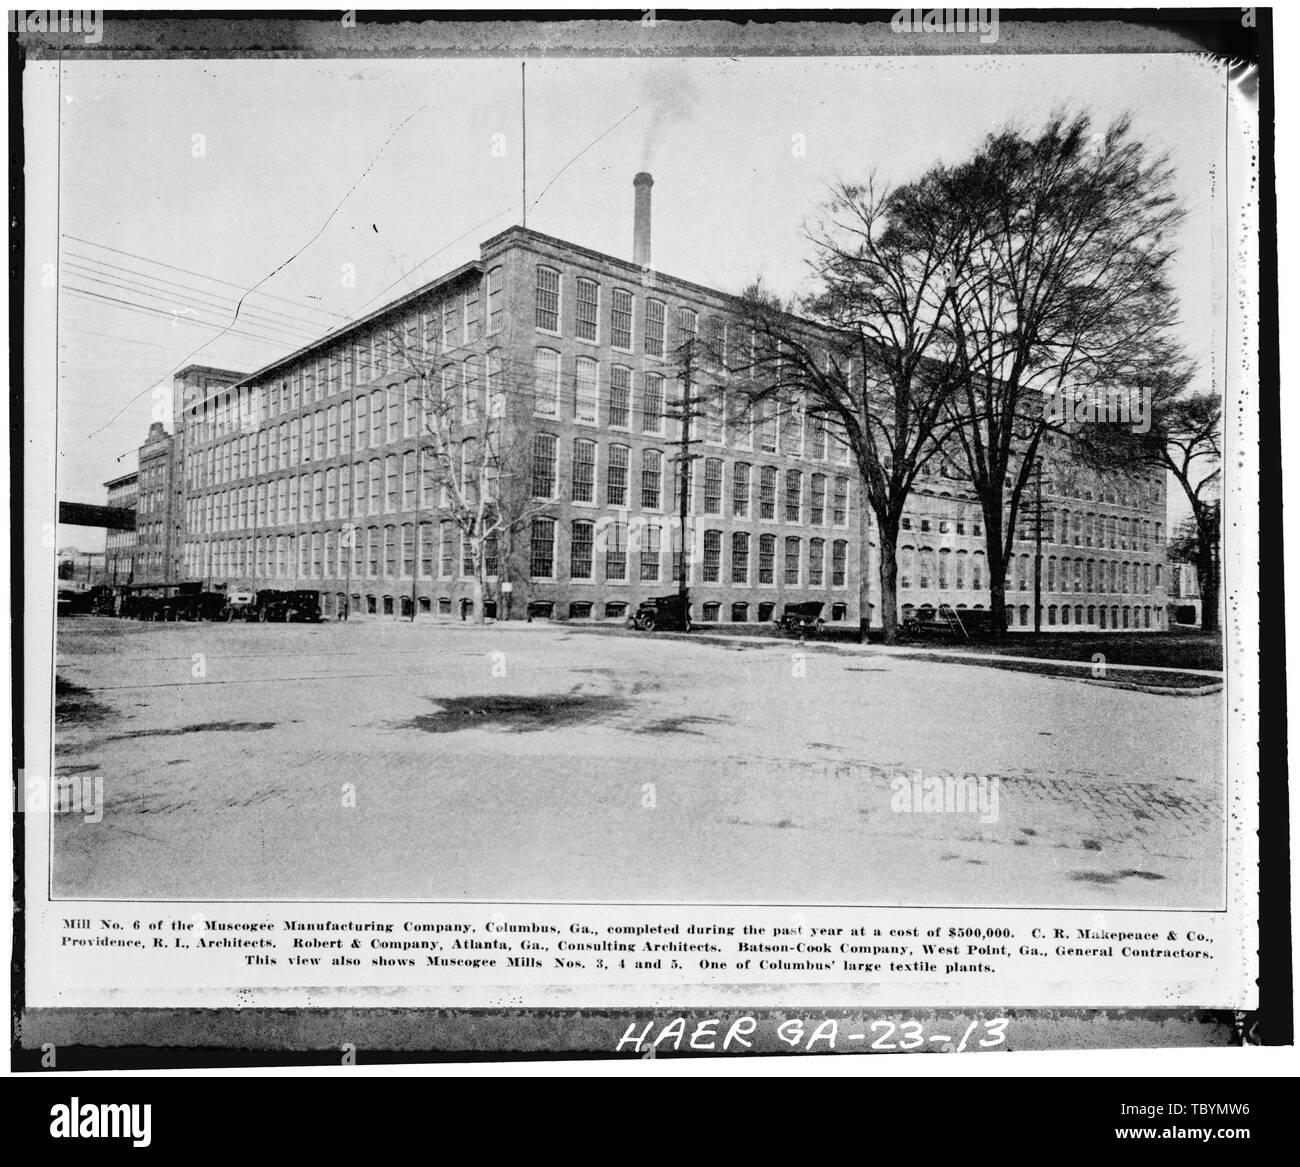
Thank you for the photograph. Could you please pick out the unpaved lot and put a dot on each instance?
(532, 762)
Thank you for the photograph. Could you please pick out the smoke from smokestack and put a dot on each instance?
(641, 220)
(669, 97)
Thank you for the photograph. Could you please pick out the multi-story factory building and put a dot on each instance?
(119, 546)
(322, 469)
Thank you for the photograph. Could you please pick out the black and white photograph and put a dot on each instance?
(622, 468)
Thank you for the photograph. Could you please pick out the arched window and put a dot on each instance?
(906, 566)
(546, 382)
(652, 474)
(926, 572)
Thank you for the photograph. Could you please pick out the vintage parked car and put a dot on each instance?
(241, 604)
(958, 623)
(300, 606)
(665, 613)
(802, 619)
(200, 606)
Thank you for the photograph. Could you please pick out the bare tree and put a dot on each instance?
(472, 455)
(867, 353)
(1062, 291)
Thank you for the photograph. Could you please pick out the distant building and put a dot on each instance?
(119, 546)
(82, 567)
(1184, 594)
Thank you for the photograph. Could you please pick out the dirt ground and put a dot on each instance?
(438, 761)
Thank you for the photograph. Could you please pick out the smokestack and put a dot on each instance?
(641, 220)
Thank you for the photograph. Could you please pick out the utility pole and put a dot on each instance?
(523, 134)
(415, 526)
(1038, 545)
(684, 459)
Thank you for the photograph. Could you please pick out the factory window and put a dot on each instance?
(839, 563)
(408, 550)
(360, 427)
(740, 613)
(652, 405)
(391, 552)
(715, 412)
(616, 477)
(408, 480)
(586, 395)
(496, 300)
(652, 472)
(390, 477)
(650, 555)
(766, 559)
(817, 500)
(767, 427)
(471, 314)
(840, 514)
(654, 327)
(793, 557)
(615, 610)
(584, 470)
(687, 326)
(548, 299)
(411, 408)
(715, 353)
(426, 550)
(620, 396)
(543, 476)
(471, 396)
(767, 492)
(739, 557)
(541, 553)
(712, 567)
(546, 383)
(588, 309)
(793, 496)
(620, 330)
(816, 562)
(713, 486)
(765, 611)
(615, 535)
(580, 546)
(740, 490)
(711, 611)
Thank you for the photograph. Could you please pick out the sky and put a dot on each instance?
(372, 178)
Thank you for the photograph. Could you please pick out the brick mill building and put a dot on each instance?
(119, 546)
(313, 472)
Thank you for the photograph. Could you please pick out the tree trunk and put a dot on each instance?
(889, 581)
(479, 615)
(1208, 570)
(997, 572)
(864, 572)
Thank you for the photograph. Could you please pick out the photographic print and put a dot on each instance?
(609, 510)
